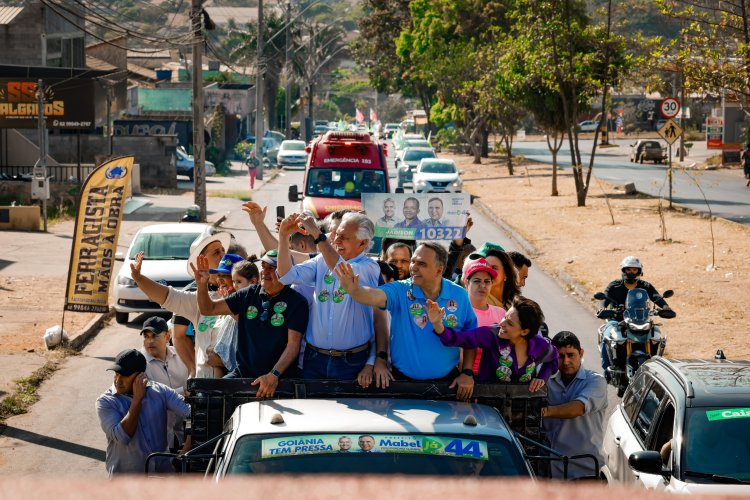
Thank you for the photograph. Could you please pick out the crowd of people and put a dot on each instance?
(316, 305)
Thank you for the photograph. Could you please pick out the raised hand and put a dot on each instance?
(288, 225)
(307, 225)
(256, 212)
(435, 313)
(348, 280)
(200, 272)
(139, 386)
(135, 266)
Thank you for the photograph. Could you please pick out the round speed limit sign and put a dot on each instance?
(670, 107)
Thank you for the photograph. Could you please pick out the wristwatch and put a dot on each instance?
(321, 237)
(468, 371)
(383, 355)
(276, 373)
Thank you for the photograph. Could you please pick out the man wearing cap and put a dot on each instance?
(133, 416)
(271, 319)
(183, 303)
(163, 365)
(417, 353)
(340, 336)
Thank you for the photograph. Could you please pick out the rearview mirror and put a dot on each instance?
(460, 172)
(600, 296)
(399, 190)
(648, 462)
(667, 294)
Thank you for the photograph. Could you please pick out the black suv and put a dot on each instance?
(683, 426)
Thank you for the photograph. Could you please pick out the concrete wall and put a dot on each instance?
(19, 150)
(154, 153)
(21, 40)
(20, 218)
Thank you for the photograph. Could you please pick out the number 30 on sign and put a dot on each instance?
(669, 107)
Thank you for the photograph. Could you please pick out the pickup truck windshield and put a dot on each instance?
(413, 454)
(345, 182)
(717, 442)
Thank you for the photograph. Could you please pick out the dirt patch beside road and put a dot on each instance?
(584, 244)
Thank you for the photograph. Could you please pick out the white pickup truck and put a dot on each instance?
(335, 427)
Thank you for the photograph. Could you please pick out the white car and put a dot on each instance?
(684, 427)
(437, 175)
(588, 126)
(292, 155)
(166, 250)
(185, 164)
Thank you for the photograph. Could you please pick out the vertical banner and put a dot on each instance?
(92, 257)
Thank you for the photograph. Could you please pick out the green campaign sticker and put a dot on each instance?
(252, 312)
(728, 414)
(324, 295)
(277, 319)
(328, 278)
(451, 321)
(338, 295)
(206, 322)
(279, 307)
(416, 309)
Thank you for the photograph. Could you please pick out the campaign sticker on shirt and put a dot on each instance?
(251, 313)
(328, 278)
(421, 321)
(451, 321)
(324, 295)
(416, 309)
(277, 319)
(279, 307)
(206, 322)
(451, 305)
(338, 295)
(409, 294)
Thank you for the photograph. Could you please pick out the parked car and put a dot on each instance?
(185, 164)
(588, 126)
(292, 155)
(648, 150)
(166, 249)
(407, 161)
(437, 175)
(683, 426)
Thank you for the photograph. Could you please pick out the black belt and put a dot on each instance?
(339, 354)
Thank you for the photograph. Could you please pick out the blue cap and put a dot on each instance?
(226, 264)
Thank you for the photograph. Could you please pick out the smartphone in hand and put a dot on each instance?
(280, 212)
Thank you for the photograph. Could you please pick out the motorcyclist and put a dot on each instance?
(617, 292)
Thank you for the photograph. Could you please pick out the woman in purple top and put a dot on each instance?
(513, 351)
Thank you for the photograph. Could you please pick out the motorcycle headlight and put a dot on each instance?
(125, 281)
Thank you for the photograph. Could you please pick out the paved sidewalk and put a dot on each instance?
(34, 267)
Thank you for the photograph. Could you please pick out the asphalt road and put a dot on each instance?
(726, 195)
(61, 434)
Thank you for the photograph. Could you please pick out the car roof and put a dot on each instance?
(181, 227)
(438, 160)
(711, 382)
(419, 148)
(372, 415)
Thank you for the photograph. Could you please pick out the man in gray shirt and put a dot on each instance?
(574, 419)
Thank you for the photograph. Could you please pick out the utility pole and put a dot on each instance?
(199, 168)
(40, 183)
(259, 67)
(287, 75)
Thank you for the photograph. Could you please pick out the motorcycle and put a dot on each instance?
(631, 336)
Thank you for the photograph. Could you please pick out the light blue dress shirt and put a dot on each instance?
(580, 435)
(336, 320)
(125, 454)
(415, 349)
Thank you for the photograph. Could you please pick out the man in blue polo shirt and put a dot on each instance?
(341, 334)
(415, 354)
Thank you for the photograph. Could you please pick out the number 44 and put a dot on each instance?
(456, 447)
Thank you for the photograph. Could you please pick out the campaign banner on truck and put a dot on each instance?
(68, 103)
(374, 443)
(97, 228)
(418, 216)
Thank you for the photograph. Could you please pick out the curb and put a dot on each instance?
(90, 331)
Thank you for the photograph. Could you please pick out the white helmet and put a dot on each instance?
(631, 261)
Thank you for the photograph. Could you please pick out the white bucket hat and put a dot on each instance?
(201, 242)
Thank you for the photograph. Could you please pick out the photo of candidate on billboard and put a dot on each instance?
(412, 216)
